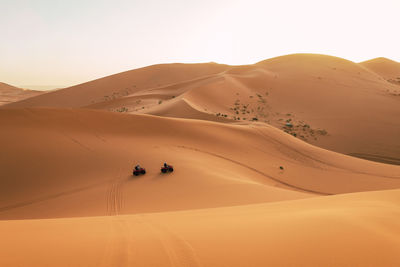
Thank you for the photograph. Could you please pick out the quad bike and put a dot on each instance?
(167, 168)
(139, 170)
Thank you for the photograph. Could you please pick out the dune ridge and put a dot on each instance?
(121, 84)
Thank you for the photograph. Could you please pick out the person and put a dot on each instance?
(165, 165)
(137, 167)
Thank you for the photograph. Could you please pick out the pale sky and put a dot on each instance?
(62, 43)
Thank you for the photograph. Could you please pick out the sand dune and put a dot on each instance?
(360, 229)
(10, 94)
(256, 179)
(314, 93)
(388, 69)
(64, 163)
(121, 84)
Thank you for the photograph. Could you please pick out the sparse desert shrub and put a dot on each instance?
(122, 109)
(159, 102)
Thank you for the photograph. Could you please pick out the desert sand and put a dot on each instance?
(360, 229)
(265, 173)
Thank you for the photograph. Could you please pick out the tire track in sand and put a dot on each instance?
(114, 200)
(180, 253)
(118, 250)
(305, 155)
(293, 187)
(52, 196)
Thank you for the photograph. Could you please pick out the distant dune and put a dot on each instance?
(388, 69)
(9, 93)
(122, 84)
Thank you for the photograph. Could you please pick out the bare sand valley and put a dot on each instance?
(292, 161)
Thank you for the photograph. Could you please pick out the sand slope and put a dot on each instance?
(331, 102)
(121, 84)
(360, 229)
(74, 162)
(10, 94)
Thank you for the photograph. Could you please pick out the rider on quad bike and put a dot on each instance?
(167, 168)
(139, 170)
